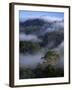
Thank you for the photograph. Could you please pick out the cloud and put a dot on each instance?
(24, 37)
(51, 18)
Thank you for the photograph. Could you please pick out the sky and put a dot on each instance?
(24, 15)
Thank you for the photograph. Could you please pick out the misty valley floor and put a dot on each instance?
(32, 66)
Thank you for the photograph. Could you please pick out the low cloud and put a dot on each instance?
(24, 37)
(51, 18)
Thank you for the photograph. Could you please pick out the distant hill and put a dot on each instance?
(40, 26)
(50, 34)
(52, 39)
(29, 22)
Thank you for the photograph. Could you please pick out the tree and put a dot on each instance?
(51, 57)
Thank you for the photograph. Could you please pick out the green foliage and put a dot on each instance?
(31, 29)
(29, 47)
(51, 71)
(40, 72)
(51, 57)
(26, 73)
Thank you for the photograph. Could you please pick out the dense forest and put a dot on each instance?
(45, 38)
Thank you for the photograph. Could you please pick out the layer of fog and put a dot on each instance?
(31, 61)
(24, 37)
